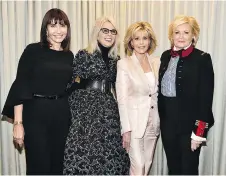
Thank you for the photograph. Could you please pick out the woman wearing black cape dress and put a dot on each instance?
(37, 101)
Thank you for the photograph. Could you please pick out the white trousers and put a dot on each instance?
(142, 150)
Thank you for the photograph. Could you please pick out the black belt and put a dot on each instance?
(51, 97)
(104, 86)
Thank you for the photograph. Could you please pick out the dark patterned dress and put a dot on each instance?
(94, 144)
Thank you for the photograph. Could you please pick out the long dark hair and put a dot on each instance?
(56, 15)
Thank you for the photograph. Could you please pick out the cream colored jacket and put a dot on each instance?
(134, 95)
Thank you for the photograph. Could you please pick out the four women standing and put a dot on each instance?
(38, 102)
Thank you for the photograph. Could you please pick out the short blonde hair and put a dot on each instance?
(182, 19)
(93, 44)
(135, 27)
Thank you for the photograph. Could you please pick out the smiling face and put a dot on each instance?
(107, 40)
(141, 42)
(182, 36)
(56, 32)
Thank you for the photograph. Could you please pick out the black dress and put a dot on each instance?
(94, 144)
(46, 121)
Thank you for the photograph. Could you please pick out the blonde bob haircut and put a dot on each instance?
(182, 19)
(130, 33)
(93, 43)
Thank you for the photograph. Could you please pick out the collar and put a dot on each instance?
(183, 52)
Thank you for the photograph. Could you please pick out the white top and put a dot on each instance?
(151, 80)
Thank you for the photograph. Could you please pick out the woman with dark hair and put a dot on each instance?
(37, 101)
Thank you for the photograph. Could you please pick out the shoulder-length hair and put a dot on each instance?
(93, 44)
(56, 15)
(135, 27)
(182, 19)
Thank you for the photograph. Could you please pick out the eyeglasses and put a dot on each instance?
(106, 31)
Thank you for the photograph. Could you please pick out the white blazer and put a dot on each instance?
(134, 95)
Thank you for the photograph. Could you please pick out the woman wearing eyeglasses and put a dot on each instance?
(94, 144)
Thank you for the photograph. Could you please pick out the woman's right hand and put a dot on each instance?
(126, 137)
(18, 134)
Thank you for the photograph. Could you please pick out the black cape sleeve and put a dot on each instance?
(20, 90)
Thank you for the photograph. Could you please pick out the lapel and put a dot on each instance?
(154, 67)
(164, 64)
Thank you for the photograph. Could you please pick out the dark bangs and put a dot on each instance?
(54, 16)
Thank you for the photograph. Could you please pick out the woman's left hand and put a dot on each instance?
(195, 144)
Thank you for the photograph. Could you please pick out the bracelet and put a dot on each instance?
(17, 123)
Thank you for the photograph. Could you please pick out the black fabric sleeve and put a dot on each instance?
(206, 89)
(70, 88)
(20, 90)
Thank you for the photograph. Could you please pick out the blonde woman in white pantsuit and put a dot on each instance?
(137, 86)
